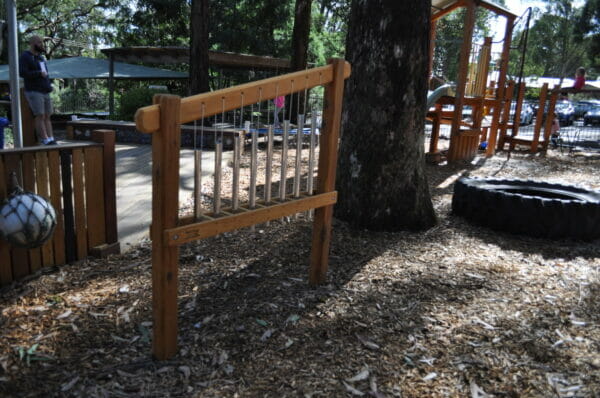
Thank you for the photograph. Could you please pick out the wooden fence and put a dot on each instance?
(79, 180)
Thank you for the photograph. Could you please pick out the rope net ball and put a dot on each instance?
(26, 220)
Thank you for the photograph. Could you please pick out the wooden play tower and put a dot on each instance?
(465, 138)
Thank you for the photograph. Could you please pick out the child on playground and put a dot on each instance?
(579, 79)
(279, 104)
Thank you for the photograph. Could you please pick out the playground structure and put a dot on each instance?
(169, 231)
(472, 87)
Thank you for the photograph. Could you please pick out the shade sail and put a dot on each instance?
(94, 68)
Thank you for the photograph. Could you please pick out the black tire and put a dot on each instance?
(530, 208)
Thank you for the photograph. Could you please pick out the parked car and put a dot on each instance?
(564, 112)
(527, 113)
(582, 107)
(592, 116)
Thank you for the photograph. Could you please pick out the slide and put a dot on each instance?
(433, 96)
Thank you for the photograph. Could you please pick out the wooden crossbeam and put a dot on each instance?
(147, 119)
(204, 229)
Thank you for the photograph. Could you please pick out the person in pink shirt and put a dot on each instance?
(279, 104)
(579, 79)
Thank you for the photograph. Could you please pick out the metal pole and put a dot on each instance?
(13, 59)
(111, 86)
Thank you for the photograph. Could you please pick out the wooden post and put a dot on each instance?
(332, 115)
(549, 119)
(463, 69)
(165, 204)
(538, 118)
(107, 138)
(505, 57)
(505, 114)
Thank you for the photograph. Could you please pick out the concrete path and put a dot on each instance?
(134, 187)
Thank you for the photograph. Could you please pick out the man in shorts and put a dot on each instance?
(33, 70)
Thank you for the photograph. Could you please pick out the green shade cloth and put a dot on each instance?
(94, 68)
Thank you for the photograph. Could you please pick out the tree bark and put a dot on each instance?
(381, 178)
(300, 40)
(199, 47)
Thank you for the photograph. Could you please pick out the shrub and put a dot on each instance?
(135, 98)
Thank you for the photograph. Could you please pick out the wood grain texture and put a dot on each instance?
(79, 204)
(189, 233)
(165, 206)
(94, 197)
(332, 117)
(147, 119)
(28, 161)
(43, 189)
(58, 240)
(5, 261)
(19, 256)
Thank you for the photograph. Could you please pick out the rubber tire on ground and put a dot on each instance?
(537, 209)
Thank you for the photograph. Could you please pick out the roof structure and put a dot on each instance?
(93, 68)
(538, 82)
(439, 8)
(178, 55)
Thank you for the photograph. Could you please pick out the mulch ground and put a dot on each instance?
(458, 310)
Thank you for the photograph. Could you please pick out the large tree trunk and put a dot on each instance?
(300, 40)
(199, 47)
(381, 180)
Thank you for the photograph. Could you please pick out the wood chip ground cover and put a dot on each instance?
(455, 311)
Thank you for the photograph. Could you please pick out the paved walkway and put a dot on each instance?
(134, 187)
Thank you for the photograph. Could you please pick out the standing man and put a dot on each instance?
(33, 70)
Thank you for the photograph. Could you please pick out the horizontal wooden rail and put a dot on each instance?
(47, 148)
(147, 119)
(204, 229)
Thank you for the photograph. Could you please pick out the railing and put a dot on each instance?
(79, 181)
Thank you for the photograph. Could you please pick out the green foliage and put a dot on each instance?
(134, 99)
(72, 27)
(80, 99)
(588, 27)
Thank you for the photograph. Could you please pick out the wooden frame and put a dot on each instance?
(164, 119)
(79, 180)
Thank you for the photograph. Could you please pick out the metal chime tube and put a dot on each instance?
(284, 156)
(235, 198)
(269, 165)
(311, 154)
(298, 170)
(197, 184)
(253, 168)
(217, 189)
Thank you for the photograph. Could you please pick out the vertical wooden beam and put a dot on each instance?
(505, 115)
(549, 119)
(107, 139)
(58, 239)
(332, 116)
(463, 69)
(505, 56)
(538, 118)
(6, 274)
(68, 210)
(165, 204)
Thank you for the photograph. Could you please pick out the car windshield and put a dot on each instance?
(563, 105)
